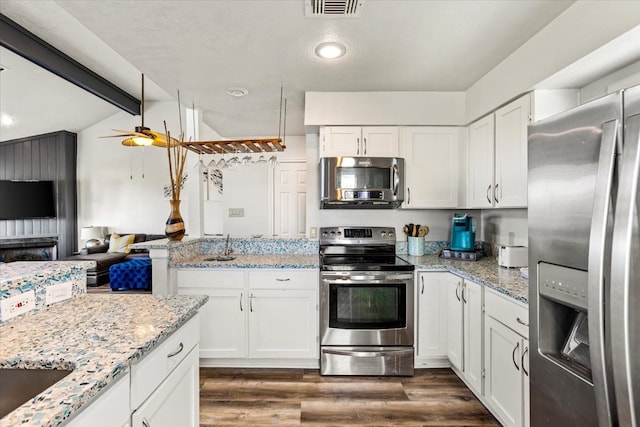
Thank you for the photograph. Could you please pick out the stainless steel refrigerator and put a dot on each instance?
(584, 264)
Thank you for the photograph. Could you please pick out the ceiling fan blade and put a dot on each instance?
(160, 140)
(117, 136)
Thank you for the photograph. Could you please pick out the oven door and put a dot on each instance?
(366, 308)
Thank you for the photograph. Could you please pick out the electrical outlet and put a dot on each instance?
(236, 212)
(17, 304)
(313, 232)
(58, 292)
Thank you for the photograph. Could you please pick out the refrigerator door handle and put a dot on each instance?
(596, 265)
(625, 277)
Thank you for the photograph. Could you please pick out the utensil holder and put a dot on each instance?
(416, 246)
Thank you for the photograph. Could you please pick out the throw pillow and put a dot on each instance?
(119, 243)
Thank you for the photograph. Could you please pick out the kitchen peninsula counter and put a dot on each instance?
(485, 271)
(251, 261)
(97, 336)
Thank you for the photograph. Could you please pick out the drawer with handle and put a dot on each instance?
(284, 278)
(148, 373)
(508, 311)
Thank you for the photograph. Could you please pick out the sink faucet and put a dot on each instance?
(227, 249)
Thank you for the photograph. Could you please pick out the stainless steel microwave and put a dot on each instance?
(361, 182)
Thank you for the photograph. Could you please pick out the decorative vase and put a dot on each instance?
(174, 230)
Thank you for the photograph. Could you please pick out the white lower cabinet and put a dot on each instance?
(256, 317)
(464, 326)
(224, 322)
(282, 323)
(176, 401)
(472, 298)
(507, 363)
(165, 383)
(482, 335)
(431, 319)
(160, 390)
(110, 409)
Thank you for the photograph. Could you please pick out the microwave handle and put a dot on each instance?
(396, 180)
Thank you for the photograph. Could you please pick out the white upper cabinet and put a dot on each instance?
(481, 163)
(358, 141)
(431, 166)
(497, 173)
(510, 189)
(498, 157)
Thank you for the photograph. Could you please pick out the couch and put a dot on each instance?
(104, 259)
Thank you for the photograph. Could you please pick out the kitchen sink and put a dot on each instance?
(220, 258)
(17, 386)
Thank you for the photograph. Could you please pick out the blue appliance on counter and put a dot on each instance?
(463, 234)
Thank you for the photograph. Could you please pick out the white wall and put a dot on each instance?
(122, 187)
(249, 188)
(383, 108)
(627, 76)
(505, 226)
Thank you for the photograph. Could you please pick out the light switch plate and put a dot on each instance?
(16, 305)
(58, 292)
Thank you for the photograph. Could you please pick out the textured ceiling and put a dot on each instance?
(204, 47)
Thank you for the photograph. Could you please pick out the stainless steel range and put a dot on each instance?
(366, 303)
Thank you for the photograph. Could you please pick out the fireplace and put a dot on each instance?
(29, 249)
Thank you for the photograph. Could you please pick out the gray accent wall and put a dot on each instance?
(50, 156)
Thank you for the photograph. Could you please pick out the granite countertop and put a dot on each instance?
(98, 336)
(485, 271)
(14, 275)
(252, 261)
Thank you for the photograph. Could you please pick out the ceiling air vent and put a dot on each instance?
(333, 8)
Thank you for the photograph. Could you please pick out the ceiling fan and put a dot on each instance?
(142, 135)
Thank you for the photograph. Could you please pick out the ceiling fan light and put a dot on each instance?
(139, 140)
(330, 50)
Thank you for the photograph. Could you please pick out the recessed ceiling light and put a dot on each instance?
(237, 91)
(6, 120)
(330, 50)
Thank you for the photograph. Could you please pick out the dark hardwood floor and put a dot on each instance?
(291, 397)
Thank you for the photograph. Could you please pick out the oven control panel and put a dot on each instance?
(357, 235)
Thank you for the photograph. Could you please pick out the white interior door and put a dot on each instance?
(290, 199)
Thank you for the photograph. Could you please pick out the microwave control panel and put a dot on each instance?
(362, 195)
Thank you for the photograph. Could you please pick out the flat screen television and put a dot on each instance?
(27, 199)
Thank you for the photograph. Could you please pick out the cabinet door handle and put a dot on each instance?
(282, 280)
(513, 356)
(251, 303)
(495, 194)
(178, 351)
(522, 322)
(458, 291)
(524, 353)
(464, 300)
(488, 189)
(365, 146)
(408, 196)
(357, 146)
(241, 294)
(145, 423)
(422, 280)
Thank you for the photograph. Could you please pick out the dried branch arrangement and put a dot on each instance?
(177, 156)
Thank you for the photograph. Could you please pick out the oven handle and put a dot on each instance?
(368, 279)
(365, 353)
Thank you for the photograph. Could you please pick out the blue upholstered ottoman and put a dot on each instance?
(133, 274)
